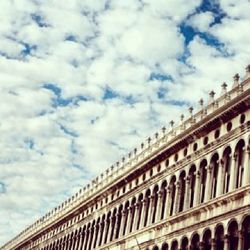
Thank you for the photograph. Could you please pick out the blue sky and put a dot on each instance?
(85, 82)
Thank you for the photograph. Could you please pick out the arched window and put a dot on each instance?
(195, 242)
(155, 203)
(147, 200)
(226, 161)
(219, 237)
(184, 243)
(233, 235)
(203, 179)
(207, 240)
(215, 169)
(172, 194)
(246, 233)
(239, 160)
(192, 180)
(182, 190)
(163, 199)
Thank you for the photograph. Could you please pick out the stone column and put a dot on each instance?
(240, 244)
(187, 194)
(80, 240)
(110, 228)
(159, 206)
(176, 199)
(226, 243)
(197, 189)
(201, 245)
(116, 225)
(122, 223)
(151, 209)
(168, 203)
(100, 234)
(94, 232)
(220, 180)
(143, 213)
(246, 173)
(91, 235)
(136, 217)
(129, 220)
(213, 244)
(208, 187)
(233, 168)
(105, 231)
(86, 238)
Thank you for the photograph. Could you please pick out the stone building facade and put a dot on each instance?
(186, 188)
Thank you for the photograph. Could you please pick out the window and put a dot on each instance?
(229, 126)
(217, 134)
(195, 147)
(205, 140)
(242, 119)
(176, 157)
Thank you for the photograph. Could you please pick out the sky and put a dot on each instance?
(84, 82)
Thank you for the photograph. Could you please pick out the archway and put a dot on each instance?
(246, 233)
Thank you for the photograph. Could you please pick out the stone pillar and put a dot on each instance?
(226, 243)
(232, 180)
(168, 203)
(220, 180)
(213, 244)
(100, 234)
(241, 243)
(87, 236)
(91, 235)
(208, 187)
(129, 220)
(187, 194)
(94, 232)
(122, 223)
(246, 173)
(159, 206)
(151, 209)
(201, 245)
(80, 240)
(116, 225)
(136, 217)
(110, 228)
(197, 189)
(105, 222)
(143, 213)
(176, 199)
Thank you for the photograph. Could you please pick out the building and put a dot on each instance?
(188, 188)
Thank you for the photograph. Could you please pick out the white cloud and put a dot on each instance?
(201, 21)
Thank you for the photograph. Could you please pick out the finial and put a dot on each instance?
(123, 159)
(129, 155)
(117, 163)
(223, 88)
(135, 150)
(156, 135)
(236, 78)
(182, 118)
(201, 102)
(171, 124)
(142, 145)
(247, 71)
(149, 140)
(191, 110)
(212, 94)
(163, 130)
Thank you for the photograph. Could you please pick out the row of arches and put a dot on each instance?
(223, 172)
(233, 237)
